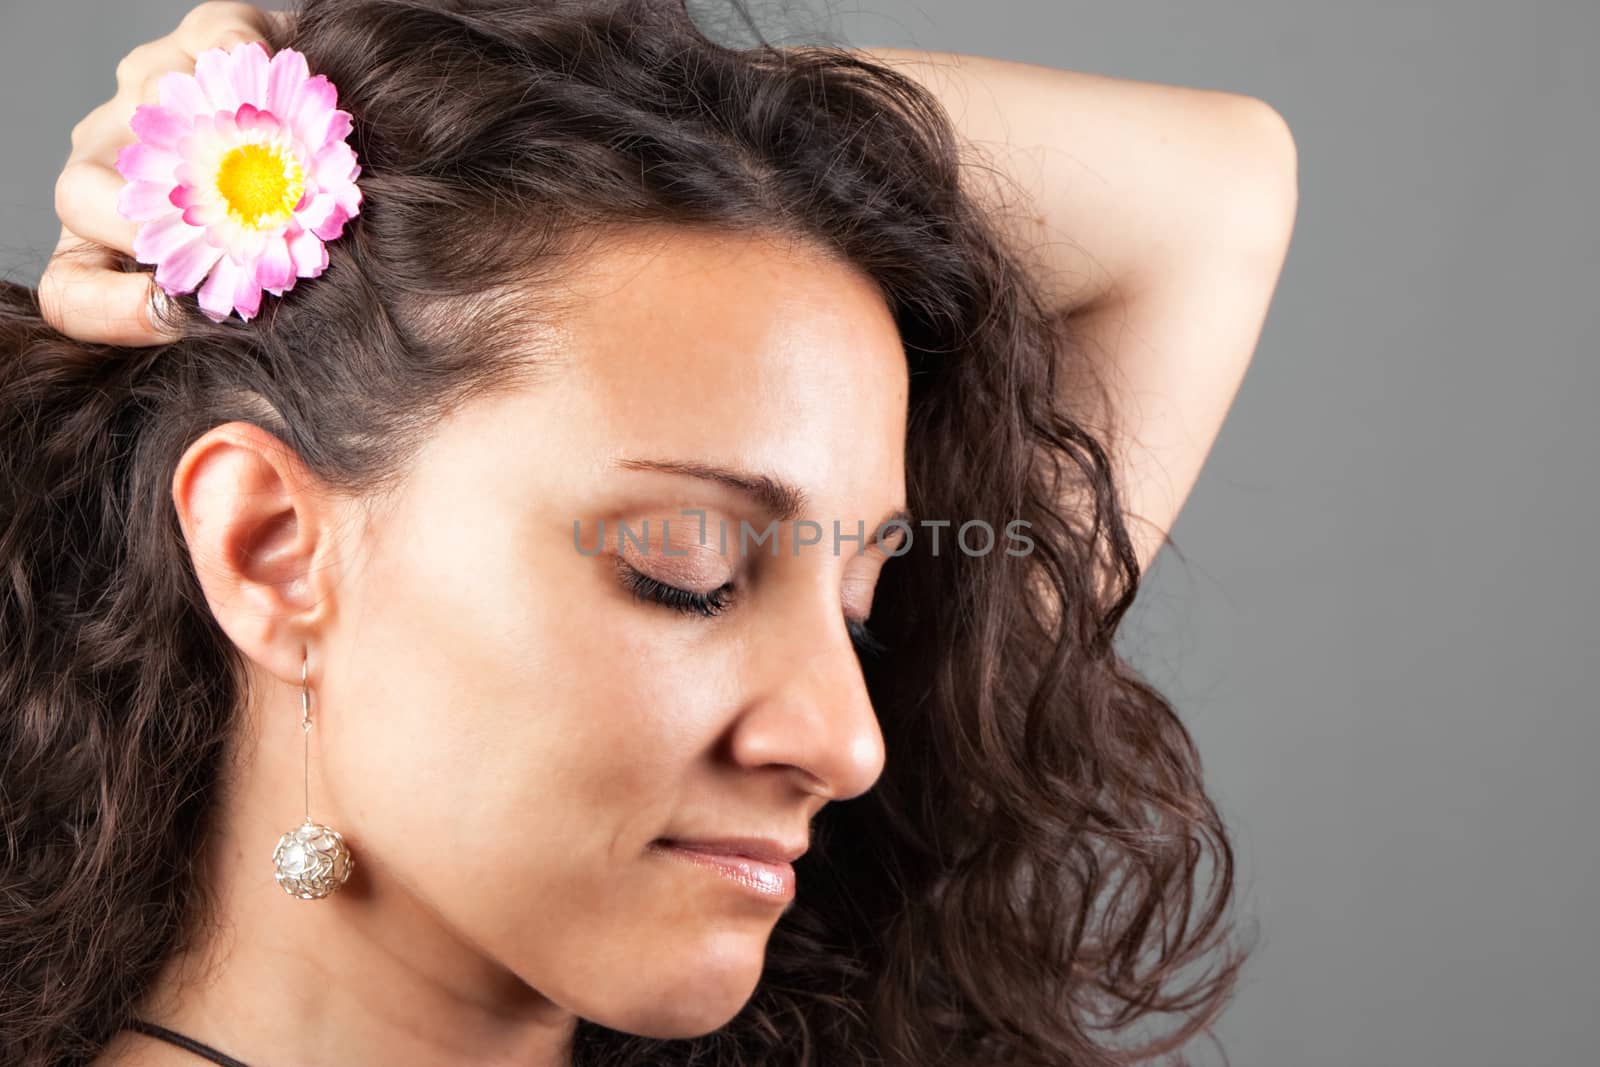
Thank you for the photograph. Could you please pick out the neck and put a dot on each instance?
(370, 974)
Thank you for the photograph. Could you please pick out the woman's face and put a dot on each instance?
(507, 727)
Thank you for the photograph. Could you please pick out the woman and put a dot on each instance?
(358, 560)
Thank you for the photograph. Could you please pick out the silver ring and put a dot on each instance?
(160, 307)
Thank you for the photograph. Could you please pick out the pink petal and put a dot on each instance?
(310, 255)
(203, 214)
(198, 209)
(157, 240)
(188, 178)
(146, 162)
(249, 61)
(250, 118)
(333, 164)
(181, 93)
(142, 201)
(158, 126)
(333, 227)
(339, 126)
(225, 123)
(275, 270)
(348, 196)
(211, 70)
(325, 217)
(181, 271)
(220, 231)
(247, 295)
(316, 213)
(202, 129)
(251, 244)
(314, 111)
(216, 295)
(285, 74)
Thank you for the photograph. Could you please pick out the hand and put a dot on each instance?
(82, 293)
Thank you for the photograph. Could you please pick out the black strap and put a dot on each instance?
(189, 1043)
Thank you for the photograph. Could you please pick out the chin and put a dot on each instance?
(699, 1001)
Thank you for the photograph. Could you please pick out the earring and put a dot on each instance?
(311, 860)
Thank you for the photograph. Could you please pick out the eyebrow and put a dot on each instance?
(782, 500)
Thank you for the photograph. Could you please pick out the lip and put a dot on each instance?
(772, 879)
(764, 849)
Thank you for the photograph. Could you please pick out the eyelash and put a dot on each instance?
(647, 588)
(715, 602)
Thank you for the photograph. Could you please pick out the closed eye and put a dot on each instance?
(708, 605)
(649, 589)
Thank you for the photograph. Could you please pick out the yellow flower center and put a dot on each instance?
(261, 184)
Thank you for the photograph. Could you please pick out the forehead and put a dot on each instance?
(739, 348)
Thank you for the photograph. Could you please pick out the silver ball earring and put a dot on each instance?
(311, 860)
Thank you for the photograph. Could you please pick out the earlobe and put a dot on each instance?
(258, 529)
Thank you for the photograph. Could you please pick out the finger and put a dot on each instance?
(83, 295)
(86, 203)
(100, 134)
(98, 144)
(210, 25)
(221, 23)
(88, 187)
(139, 72)
(104, 126)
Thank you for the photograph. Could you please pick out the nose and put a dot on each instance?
(807, 704)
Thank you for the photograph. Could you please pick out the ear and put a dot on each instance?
(262, 534)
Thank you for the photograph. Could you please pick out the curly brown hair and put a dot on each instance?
(1022, 884)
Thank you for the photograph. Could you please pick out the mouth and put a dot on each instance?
(772, 880)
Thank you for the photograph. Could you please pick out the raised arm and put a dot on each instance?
(1159, 217)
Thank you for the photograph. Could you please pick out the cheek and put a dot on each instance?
(478, 702)
(505, 738)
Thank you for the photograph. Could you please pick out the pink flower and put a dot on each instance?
(238, 177)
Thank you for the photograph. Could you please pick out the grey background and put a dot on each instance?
(1383, 637)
